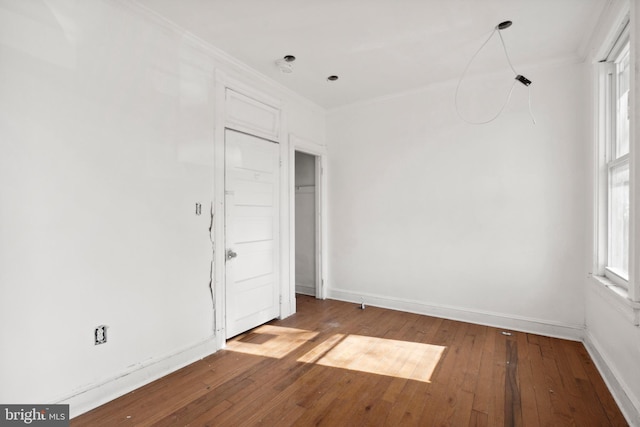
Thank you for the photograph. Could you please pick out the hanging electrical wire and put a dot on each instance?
(518, 77)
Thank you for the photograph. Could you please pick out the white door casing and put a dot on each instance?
(305, 146)
(252, 181)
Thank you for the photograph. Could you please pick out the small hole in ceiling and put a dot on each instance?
(332, 78)
(289, 58)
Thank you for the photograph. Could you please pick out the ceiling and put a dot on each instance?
(381, 47)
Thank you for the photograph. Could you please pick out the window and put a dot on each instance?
(615, 165)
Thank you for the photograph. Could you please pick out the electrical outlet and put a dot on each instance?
(100, 334)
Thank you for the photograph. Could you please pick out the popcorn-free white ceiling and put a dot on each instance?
(381, 47)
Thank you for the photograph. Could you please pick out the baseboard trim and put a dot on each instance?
(630, 408)
(306, 290)
(523, 324)
(94, 395)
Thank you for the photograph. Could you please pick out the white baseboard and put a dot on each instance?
(94, 395)
(306, 290)
(615, 382)
(535, 326)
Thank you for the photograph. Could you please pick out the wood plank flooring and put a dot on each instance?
(333, 364)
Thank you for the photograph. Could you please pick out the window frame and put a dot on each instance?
(609, 87)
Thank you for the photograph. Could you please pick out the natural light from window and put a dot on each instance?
(618, 168)
(381, 356)
(402, 359)
(271, 341)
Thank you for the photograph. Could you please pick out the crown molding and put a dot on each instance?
(217, 54)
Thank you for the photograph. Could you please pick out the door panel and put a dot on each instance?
(251, 222)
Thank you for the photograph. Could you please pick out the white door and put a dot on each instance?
(252, 237)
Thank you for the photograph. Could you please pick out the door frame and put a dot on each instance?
(227, 117)
(309, 147)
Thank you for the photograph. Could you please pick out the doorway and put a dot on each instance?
(307, 244)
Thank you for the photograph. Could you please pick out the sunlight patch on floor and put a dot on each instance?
(403, 359)
(270, 341)
(381, 356)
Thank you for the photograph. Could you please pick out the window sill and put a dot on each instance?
(618, 297)
(616, 278)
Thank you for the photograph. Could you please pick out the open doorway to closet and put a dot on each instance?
(307, 224)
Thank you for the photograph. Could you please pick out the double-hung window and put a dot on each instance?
(615, 165)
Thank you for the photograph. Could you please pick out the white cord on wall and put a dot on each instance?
(530, 109)
(518, 77)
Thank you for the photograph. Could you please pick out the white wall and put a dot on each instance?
(106, 148)
(614, 343)
(483, 223)
(107, 139)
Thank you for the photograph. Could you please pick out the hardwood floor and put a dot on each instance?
(334, 364)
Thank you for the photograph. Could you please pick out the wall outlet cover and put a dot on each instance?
(100, 335)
